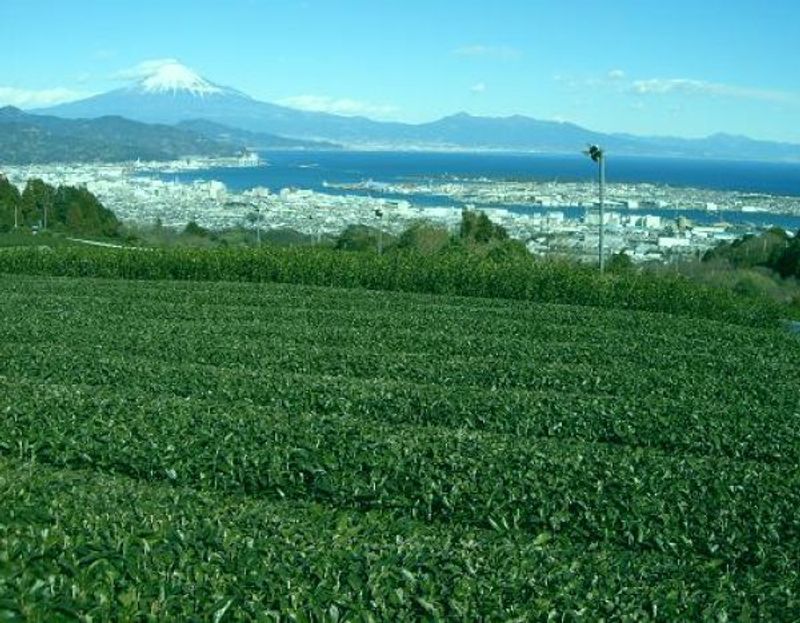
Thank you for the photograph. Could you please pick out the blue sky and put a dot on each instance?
(685, 68)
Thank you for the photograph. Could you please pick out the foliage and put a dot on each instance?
(193, 229)
(281, 451)
(619, 262)
(750, 250)
(765, 266)
(80, 212)
(286, 237)
(361, 238)
(455, 272)
(71, 209)
(10, 201)
(478, 228)
(423, 237)
(773, 249)
(787, 263)
(38, 199)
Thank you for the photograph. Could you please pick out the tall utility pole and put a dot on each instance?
(254, 217)
(597, 155)
(379, 214)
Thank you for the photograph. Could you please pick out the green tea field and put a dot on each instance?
(212, 451)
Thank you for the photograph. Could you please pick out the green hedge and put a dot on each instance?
(448, 273)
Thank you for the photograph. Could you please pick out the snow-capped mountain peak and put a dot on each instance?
(174, 77)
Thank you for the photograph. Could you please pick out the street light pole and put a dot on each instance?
(597, 155)
(257, 220)
(602, 208)
(379, 214)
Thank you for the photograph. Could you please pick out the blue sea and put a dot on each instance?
(310, 169)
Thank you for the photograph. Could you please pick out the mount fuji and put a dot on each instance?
(171, 93)
(174, 78)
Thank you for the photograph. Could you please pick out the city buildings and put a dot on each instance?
(645, 221)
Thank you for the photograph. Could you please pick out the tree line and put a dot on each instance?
(41, 206)
(774, 249)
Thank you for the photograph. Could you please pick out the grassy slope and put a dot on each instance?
(337, 452)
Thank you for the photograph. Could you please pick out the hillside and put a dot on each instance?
(251, 140)
(26, 139)
(328, 453)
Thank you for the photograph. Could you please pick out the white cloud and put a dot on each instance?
(616, 80)
(339, 106)
(144, 69)
(661, 86)
(31, 98)
(480, 87)
(501, 52)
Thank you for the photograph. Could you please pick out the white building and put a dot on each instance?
(670, 242)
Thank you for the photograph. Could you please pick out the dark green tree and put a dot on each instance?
(193, 229)
(423, 237)
(78, 211)
(477, 227)
(751, 250)
(38, 200)
(10, 202)
(787, 263)
(619, 262)
(358, 238)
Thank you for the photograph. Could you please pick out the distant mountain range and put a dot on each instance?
(174, 94)
(253, 141)
(26, 138)
(37, 139)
